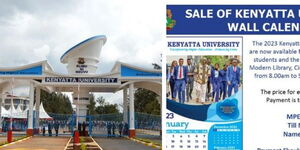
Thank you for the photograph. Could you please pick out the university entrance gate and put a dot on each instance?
(81, 61)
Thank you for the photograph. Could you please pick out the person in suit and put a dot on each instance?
(113, 129)
(49, 128)
(108, 126)
(233, 77)
(56, 127)
(79, 128)
(126, 128)
(202, 74)
(180, 76)
(172, 79)
(120, 126)
(83, 128)
(44, 129)
(223, 74)
(190, 79)
(216, 82)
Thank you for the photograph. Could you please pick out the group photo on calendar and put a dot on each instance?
(202, 80)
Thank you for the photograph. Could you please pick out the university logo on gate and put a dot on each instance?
(80, 60)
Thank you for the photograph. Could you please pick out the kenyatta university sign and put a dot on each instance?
(80, 80)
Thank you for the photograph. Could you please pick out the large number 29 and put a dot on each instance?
(170, 115)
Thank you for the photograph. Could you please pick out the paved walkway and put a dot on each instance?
(3, 136)
(40, 143)
(3, 139)
(120, 144)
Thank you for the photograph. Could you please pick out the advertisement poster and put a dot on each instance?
(231, 76)
(205, 94)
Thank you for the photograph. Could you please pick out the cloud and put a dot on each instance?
(42, 52)
(35, 30)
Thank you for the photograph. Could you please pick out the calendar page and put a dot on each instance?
(184, 131)
(203, 107)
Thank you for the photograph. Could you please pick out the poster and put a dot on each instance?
(256, 45)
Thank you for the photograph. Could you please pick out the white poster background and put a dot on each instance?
(263, 123)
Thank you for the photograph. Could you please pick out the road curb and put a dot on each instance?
(15, 142)
(145, 143)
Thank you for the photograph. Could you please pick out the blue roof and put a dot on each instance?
(89, 39)
(130, 72)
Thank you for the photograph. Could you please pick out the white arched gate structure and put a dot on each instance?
(81, 61)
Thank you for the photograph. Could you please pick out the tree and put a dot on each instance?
(101, 101)
(221, 60)
(56, 103)
(146, 102)
(92, 106)
(105, 107)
